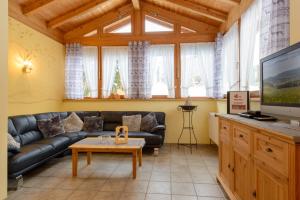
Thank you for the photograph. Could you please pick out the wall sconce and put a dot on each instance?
(27, 66)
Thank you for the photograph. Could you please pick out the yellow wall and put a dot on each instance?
(294, 20)
(3, 98)
(42, 89)
(173, 117)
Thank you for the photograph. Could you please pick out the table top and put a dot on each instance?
(96, 143)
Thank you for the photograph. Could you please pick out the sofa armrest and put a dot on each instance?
(158, 128)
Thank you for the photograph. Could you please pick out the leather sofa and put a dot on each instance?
(36, 150)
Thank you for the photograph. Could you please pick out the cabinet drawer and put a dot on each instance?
(225, 130)
(241, 138)
(272, 152)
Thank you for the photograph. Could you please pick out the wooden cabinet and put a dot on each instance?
(255, 164)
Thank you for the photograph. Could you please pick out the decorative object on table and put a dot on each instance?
(237, 102)
(189, 110)
(121, 136)
(188, 101)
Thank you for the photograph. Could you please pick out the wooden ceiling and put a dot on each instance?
(56, 18)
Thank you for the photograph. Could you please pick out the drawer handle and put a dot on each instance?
(269, 150)
(224, 127)
(228, 166)
(241, 136)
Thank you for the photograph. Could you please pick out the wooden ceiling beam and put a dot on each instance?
(100, 21)
(158, 12)
(62, 19)
(231, 2)
(136, 4)
(200, 10)
(36, 5)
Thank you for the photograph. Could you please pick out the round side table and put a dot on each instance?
(187, 110)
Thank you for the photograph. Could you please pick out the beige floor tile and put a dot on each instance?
(70, 183)
(208, 190)
(160, 176)
(181, 177)
(132, 196)
(158, 197)
(92, 184)
(158, 187)
(114, 185)
(183, 188)
(210, 198)
(136, 186)
(57, 194)
(107, 196)
(182, 197)
(82, 195)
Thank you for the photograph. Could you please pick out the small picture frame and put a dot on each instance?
(121, 136)
(238, 102)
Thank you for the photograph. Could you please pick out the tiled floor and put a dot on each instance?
(174, 174)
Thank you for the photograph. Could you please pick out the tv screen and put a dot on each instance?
(281, 79)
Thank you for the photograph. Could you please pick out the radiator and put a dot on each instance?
(213, 128)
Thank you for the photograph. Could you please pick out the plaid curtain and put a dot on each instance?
(139, 80)
(74, 72)
(217, 81)
(275, 26)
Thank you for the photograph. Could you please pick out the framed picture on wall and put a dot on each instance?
(238, 102)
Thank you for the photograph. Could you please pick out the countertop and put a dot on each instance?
(282, 129)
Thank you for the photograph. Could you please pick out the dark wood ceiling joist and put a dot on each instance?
(35, 6)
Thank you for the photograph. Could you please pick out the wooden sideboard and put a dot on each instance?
(257, 160)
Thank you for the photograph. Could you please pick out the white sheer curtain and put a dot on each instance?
(161, 59)
(74, 72)
(113, 58)
(230, 60)
(250, 34)
(197, 64)
(90, 67)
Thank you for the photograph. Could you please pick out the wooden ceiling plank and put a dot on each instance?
(60, 20)
(136, 4)
(201, 10)
(175, 18)
(36, 5)
(100, 21)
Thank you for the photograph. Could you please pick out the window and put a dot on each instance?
(161, 59)
(230, 60)
(156, 25)
(90, 71)
(120, 26)
(114, 71)
(197, 63)
(250, 47)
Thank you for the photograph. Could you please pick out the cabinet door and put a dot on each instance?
(225, 162)
(241, 179)
(269, 186)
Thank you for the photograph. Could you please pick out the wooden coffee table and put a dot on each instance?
(94, 145)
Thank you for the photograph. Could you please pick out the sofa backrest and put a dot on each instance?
(112, 119)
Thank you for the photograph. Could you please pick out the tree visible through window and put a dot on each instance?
(117, 88)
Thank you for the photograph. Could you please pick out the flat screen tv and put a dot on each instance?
(280, 83)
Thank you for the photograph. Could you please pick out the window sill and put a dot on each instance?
(153, 99)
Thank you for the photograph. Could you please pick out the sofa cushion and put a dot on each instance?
(148, 122)
(113, 116)
(111, 126)
(82, 114)
(51, 127)
(75, 136)
(29, 155)
(58, 142)
(92, 124)
(133, 122)
(12, 144)
(72, 123)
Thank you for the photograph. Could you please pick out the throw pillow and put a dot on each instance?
(133, 122)
(51, 127)
(12, 144)
(72, 123)
(149, 122)
(93, 124)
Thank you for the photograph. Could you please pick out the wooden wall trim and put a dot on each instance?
(235, 14)
(15, 11)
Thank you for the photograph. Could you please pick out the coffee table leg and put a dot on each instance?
(74, 162)
(134, 155)
(140, 157)
(88, 157)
